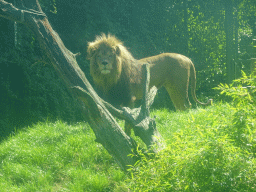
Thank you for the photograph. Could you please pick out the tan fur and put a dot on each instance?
(119, 78)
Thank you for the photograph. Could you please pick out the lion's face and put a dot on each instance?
(105, 64)
(105, 59)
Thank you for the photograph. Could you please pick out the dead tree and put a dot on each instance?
(104, 125)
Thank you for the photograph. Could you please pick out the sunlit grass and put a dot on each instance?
(207, 150)
(56, 157)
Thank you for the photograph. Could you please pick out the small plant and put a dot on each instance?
(243, 93)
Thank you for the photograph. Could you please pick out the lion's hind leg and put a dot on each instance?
(179, 98)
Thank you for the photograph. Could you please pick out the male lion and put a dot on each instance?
(117, 75)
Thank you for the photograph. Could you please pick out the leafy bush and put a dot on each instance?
(243, 93)
(216, 166)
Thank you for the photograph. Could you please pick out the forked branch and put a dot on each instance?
(138, 118)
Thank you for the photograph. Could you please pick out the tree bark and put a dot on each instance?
(185, 26)
(105, 127)
(138, 118)
(229, 40)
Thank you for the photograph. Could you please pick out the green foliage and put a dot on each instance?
(202, 155)
(207, 44)
(242, 90)
(215, 167)
(243, 93)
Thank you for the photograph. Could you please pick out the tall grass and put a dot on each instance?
(202, 155)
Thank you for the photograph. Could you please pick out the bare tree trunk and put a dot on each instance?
(185, 26)
(105, 127)
(229, 40)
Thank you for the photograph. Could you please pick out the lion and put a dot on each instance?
(118, 75)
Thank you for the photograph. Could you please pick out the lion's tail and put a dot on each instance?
(193, 86)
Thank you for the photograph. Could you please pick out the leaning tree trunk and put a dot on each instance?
(105, 127)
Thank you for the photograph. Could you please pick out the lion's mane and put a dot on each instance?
(117, 86)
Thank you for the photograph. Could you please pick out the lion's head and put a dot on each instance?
(108, 58)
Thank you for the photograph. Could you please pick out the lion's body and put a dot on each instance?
(119, 80)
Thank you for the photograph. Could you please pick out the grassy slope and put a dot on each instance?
(205, 152)
(56, 157)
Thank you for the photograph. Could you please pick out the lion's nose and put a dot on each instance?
(104, 62)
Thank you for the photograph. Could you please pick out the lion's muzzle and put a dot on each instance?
(105, 67)
(104, 63)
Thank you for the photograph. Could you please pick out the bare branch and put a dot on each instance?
(9, 11)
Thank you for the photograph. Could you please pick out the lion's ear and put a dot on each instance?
(118, 51)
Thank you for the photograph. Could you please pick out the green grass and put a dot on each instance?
(56, 157)
(211, 149)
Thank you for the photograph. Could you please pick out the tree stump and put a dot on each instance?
(104, 125)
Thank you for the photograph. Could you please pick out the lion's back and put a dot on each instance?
(167, 68)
